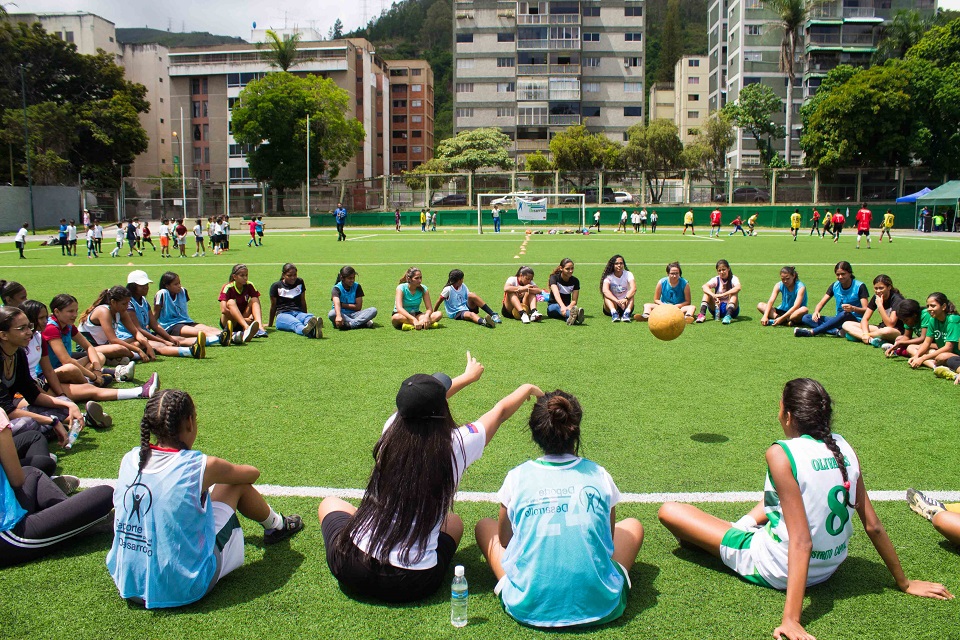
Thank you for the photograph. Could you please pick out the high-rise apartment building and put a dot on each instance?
(534, 68)
(744, 48)
(411, 114)
(683, 101)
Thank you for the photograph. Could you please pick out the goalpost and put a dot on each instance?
(484, 200)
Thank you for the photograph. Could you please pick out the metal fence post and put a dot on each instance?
(816, 186)
(773, 186)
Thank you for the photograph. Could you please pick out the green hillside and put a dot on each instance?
(168, 39)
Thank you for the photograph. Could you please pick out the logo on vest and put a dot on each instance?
(137, 502)
(590, 498)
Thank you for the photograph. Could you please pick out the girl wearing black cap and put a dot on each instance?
(398, 544)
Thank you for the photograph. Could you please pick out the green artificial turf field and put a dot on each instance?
(692, 415)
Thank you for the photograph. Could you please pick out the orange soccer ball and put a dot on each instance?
(666, 322)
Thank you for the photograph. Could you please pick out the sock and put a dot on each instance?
(184, 352)
(212, 340)
(703, 308)
(110, 371)
(129, 394)
(273, 521)
(486, 309)
(746, 522)
(135, 357)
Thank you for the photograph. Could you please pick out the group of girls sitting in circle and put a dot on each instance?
(928, 336)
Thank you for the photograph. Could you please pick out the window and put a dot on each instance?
(398, 88)
(206, 132)
(632, 62)
(231, 102)
(754, 29)
(633, 37)
(196, 109)
(591, 62)
(204, 103)
(752, 56)
(197, 155)
(753, 4)
(68, 36)
(399, 148)
(239, 150)
(591, 87)
(416, 87)
(505, 37)
(464, 38)
(591, 112)
(633, 112)
(506, 62)
(417, 134)
(206, 174)
(591, 11)
(416, 104)
(195, 86)
(416, 149)
(399, 104)
(111, 37)
(694, 97)
(506, 87)
(416, 118)
(693, 115)
(591, 37)
(161, 120)
(693, 63)
(196, 133)
(465, 63)
(464, 87)
(239, 173)
(693, 80)
(415, 72)
(633, 87)
(400, 134)
(399, 119)
(206, 155)
(693, 131)
(163, 141)
(633, 12)
(464, 112)
(506, 112)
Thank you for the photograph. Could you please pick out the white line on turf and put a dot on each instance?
(276, 490)
(372, 235)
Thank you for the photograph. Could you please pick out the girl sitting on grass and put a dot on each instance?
(564, 294)
(797, 536)
(940, 332)
(288, 305)
(398, 544)
(12, 294)
(346, 309)
(175, 538)
(462, 304)
(851, 299)
(98, 324)
(885, 301)
(619, 288)
(793, 301)
(170, 309)
(520, 297)
(673, 289)
(408, 301)
(720, 295)
(59, 333)
(554, 570)
(240, 305)
(909, 314)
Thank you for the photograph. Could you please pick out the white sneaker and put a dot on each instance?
(195, 255)
(536, 316)
(524, 318)
(125, 372)
(67, 484)
(251, 331)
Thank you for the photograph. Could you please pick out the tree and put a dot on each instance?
(281, 52)
(583, 154)
(707, 155)
(538, 162)
(336, 31)
(475, 149)
(415, 178)
(437, 25)
(791, 18)
(655, 148)
(904, 31)
(271, 115)
(671, 47)
(940, 45)
(751, 112)
(935, 130)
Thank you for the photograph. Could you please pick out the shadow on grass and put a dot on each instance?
(709, 438)
(855, 577)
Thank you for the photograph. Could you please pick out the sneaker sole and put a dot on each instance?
(100, 419)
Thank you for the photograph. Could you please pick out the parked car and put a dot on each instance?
(622, 197)
(510, 200)
(450, 199)
(746, 194)
(591, 196)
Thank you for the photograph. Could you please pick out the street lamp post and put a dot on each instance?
(26, 145)
(183, 176)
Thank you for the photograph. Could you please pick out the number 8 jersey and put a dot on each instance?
(827, 505)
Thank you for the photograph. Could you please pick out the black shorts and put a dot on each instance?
(837, 228)
(174, 330)
(459, 314)
(863, 232)
(363, 575)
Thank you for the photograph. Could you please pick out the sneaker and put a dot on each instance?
(95, 417)
(800, 332)
(524, 318)
(876, 342)
(199, 348)
(572, 315)
(834, 332)
(204, 253)
(626, 318)
(614, 317)
(700, 318)
(901, 351)
(225, 338)
(726, 319)
(406, 327)
(150, 386)
(536, 316)
(489, 323)
(252, 329)
(124, 372)
(310, 328)
(237, 337)
(496, 318)
(53, 457)
(292, 525)
(262, 334)
(435, 325)
(67, 484)
(193, 256)
(927, 507)
(884, 346)
(944, 372)
(368, 324)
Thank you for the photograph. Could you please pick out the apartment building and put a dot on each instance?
(411, 114)
(87, 31)
(662, 101)
(744, 46)
(534, 68)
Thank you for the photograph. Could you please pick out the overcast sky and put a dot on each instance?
(230, 17)
(221, 17)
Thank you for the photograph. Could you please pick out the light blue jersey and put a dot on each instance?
(174, 310)
(347, 296)
(411, 300)
(789, 298)
(10, 510)
(850, 295)
(142, 311)
(455, 300)
(164, 545)
(672, 295)
(559, 569)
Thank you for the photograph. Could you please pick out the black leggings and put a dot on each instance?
(33, 451)
(52, 518)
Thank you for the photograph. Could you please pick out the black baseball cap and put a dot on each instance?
(422, 396)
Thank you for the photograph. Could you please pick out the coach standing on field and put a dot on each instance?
(340, 214)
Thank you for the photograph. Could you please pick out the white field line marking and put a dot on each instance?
(477, 496)
(372, 235)
(220, 265)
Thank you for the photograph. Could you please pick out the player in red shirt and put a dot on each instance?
(715, 222)
(737, 226)
(240, 305)
(815, 228)
(838, 221)
(864, 217)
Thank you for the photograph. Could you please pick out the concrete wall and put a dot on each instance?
(49, 205)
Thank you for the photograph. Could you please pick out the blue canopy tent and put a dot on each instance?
(913, 196)
(946, 195)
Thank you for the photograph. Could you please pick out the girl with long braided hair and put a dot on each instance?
(175, 539)
(798, 535)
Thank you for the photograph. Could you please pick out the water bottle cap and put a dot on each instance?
(458, 571)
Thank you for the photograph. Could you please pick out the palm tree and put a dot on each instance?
(791, 18)
(903, 32)
(283, 51)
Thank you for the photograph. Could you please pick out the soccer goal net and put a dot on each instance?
(559, 209)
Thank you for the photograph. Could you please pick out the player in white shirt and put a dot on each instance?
(164, 238)
(198, 236)
(120, 237)
(720, 295)
(21, 239)
(619, 288)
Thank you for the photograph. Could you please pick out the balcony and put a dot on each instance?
(532, 145)
(823, 39)
(859, 12)
(548, 69)
(565, 94)
(858, 40)
(565, 120)
(825, 11)
(562, 18)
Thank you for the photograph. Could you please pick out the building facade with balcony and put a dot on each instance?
(532, 69)
(411, 114)
(744, 48)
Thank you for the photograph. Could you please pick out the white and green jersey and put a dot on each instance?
(827, 505)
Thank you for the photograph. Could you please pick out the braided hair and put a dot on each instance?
(555, 423)
(345, 272)
(113, 294)
(811, 409)
(456, 275)
(163, 416)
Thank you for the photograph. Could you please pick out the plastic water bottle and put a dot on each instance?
(73, 434)
(459, 593)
